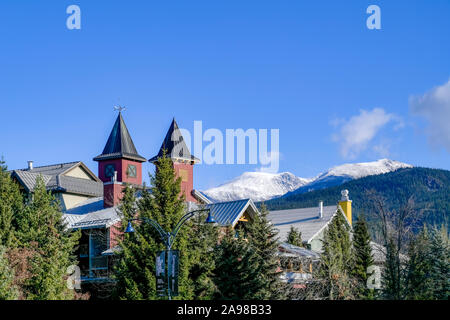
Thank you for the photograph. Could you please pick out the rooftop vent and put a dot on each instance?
(30, 165)
(320, 209)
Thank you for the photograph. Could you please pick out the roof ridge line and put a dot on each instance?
(246, 199)
(49, 165)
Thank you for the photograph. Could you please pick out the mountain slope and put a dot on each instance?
(258, 186)
(430, 189)
(261, 186)
(349, 171)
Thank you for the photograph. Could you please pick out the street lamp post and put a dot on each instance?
(168, 238)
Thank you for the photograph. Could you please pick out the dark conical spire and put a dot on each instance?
(120, 144)
(175, 146)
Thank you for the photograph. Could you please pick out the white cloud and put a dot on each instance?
(434, 106)
(356, 133)
(382, 149)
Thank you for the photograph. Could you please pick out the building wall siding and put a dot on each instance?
(78, 172)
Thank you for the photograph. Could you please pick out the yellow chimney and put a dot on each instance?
(346, 205)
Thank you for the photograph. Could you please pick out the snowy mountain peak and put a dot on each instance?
(363, 169)
(260, 186)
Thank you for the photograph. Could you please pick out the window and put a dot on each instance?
(98, 242)
(131, 171)
(109, 170)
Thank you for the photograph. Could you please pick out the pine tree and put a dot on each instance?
(263, 239)
(128, 208)
(294, 237)
(439, 260)
(203, 255)
(362, 257)
(418, 281)
(135, 263)
(11, 205)
(237, 269)
(135, 269)
(334, 271)
(41, 229)
(428, 266)
(8, 291)
(393, 275)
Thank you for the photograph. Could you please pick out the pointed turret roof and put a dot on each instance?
(120, 144)
(175, 146)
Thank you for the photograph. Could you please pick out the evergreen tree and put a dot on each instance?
(439, 260)
(362, 257)
(203, 256)
(334, 271)
(428, 266)
(237, 269)
(294, 237)
(263, 239)
(41, 229)
(393, 275)
(418, 281)
(135, 269)
(128, 208)
(7, 289)
(11, 205)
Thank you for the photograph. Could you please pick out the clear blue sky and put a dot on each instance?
(309, 68)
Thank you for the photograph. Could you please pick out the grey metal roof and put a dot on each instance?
(91, 214)
(55, 180)
(28, 179)
(306, 220)
(79, 186)
(53, 169)
(175, 146)
(120, 144)
(228, 213)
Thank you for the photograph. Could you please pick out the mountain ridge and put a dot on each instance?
(429, 189)
(262, 186)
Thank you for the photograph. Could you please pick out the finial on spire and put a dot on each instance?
(119, 108)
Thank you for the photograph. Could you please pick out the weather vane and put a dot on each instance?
(119, 108)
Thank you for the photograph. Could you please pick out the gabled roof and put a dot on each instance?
(28, 179)
(175, 146)
(228, 213)
(306, 220)
(55, 169)
(55, 179)
(119, 144)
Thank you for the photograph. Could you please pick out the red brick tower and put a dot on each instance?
(183, 161)
(118, 164)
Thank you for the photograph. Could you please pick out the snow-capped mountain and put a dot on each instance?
(258, 186)
(261, 186)
(364, 169)
(349, 171)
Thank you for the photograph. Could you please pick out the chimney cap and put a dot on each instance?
(344, 195)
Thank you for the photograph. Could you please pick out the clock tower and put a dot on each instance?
(119, 163)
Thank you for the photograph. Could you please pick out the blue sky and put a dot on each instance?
(337, 91)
